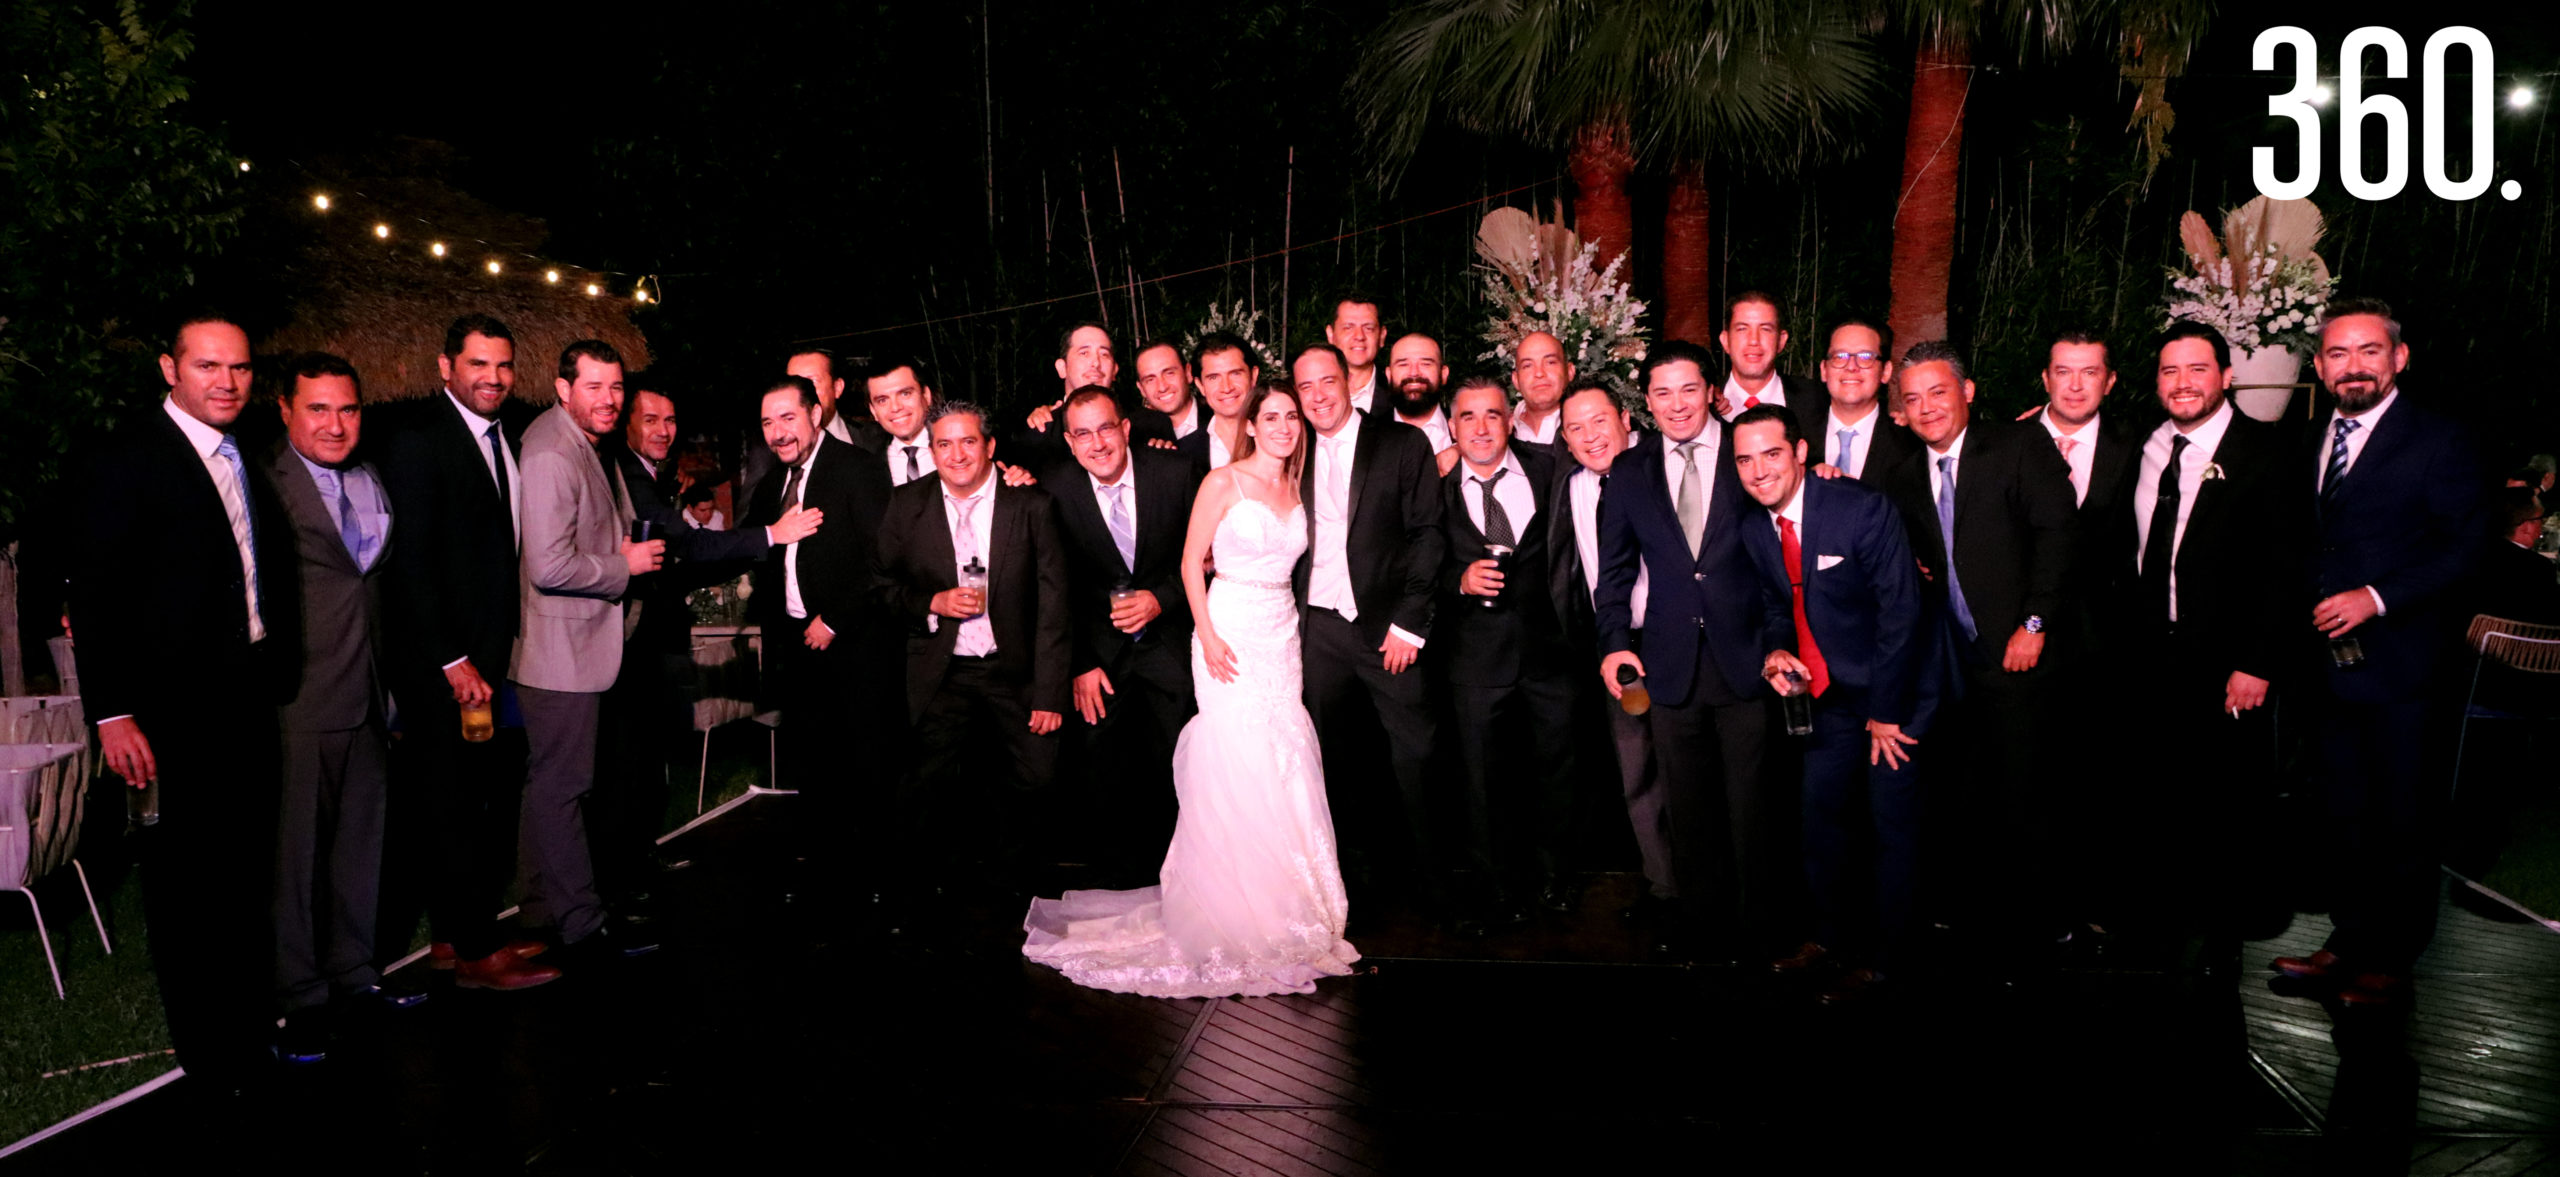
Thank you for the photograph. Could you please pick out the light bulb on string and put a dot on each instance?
(493, 265)
(244, 165)
(592, 290)
(2520, 97)
(551, 276)
(641, 294)
(436, 249)
(382, 231)
(320, 202)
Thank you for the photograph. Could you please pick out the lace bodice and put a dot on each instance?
(1256, 545)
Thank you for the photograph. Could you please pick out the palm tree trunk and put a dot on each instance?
(1688, 310)
(1924, 221)
(1599, 162)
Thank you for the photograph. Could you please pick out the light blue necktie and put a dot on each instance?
(1947, 536)
(1847, 462)
(230, 450)
(1124, 534)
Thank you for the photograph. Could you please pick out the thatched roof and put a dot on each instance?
(384, 303)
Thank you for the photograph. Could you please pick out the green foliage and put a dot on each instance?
(109, 206)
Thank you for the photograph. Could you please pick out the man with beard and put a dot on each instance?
(1227, 378)
(826, 372)
(1355, 332)
(1540, 372)
(2399, 500)
(1752, 338)
(1415, 372)
(1164, 383)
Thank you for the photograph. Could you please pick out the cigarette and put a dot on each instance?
(2235, 712)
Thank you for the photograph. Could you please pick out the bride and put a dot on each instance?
(1250, 901)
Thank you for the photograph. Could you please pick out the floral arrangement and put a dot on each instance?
(2258, 283)
(720, 604)
(1542, 278)
(1237, 321)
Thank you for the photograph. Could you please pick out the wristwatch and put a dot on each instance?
(2034, 624)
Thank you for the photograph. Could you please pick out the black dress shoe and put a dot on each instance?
(1559, 896)
(304, 1040)
(392, 996)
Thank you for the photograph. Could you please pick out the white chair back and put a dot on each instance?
(42, 799)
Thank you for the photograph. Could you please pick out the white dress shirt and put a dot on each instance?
(1329, 576)
(1862, 441)
(1519, 501)
(791, 602)
(1219, 455)
(1772, 393)
(479, 428)
(1544, 433)
(1583, 492)
(2202, 443)
(1435, 427)
(364, 495)
(977, 637)
(898, 447)
(720, 522)
(1187, 421)
(837, 429)
(1367, 394)
(2082, 453)
(207, 443)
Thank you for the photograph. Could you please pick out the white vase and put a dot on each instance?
(2262, 381)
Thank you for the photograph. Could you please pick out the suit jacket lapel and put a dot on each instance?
(301, 493)
(2381, 444)
(1363, 454)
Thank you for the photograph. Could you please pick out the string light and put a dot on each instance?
(436, 249)
(2321, 94)
(551, 276)
(641, 294)
(321, 203)
(2520, 97)
(244, 165)
(382, 231)
(592, 290)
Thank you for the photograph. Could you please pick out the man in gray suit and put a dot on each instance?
(329, 828)
(578, 563)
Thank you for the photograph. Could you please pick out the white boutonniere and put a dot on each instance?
(2213, 472)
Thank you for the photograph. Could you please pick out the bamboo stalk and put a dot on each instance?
(1084, 202)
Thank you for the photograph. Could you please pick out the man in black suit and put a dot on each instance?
(1227, 376)
(336, 753)
(1086, 355)
(1835, 550)
(2399, 499)
(1673, 518)
(2515, 582)
(812, 602)
(1987, 506)
(1540, 373)
(646, 709)
(2196, 570)
(1124, 513)
(182, 593)
(1510, 669)
(1365, 589)
(2078, 374)
(1595, 432)
(977, 576)
(450, 468)
(1164, 385)
(1752, 339)
(841, 419)
(1847, 423)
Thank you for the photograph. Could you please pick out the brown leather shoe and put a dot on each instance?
(1808, 954)
(2373, 989)
(502, 970)
(2313, 967)
(1853, 987)
(440, 954)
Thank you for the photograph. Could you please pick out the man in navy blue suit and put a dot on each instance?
(2400, 500)
(1675, 514)
(1835, 550)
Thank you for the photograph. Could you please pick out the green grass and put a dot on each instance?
(114, 1004)
(113, 1008)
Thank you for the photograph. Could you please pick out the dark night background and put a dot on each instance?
(794, 172)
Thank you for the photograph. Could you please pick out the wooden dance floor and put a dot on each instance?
(773, 1035)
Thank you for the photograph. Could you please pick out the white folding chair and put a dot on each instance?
(42, 799)
(2521, 646)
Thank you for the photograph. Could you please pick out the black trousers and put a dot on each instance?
(1345, 673)
(2381, 773)
(2185, 801)
(640, 732)
(1733, 828)
(467, 797)
(954, 801)
(1128, 760)
(207, 866)
(1516, 817)
(1993, 824)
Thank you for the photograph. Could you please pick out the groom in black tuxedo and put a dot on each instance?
(1372, 495)
(1124, 513)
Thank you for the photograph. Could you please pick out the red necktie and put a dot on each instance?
(1806, 651)
(1751, 401)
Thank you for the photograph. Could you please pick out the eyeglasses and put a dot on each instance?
(1082, 436)
(1854, 359)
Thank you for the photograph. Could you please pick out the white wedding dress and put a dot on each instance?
(1250, 900)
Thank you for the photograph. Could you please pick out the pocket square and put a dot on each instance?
(1822, 562)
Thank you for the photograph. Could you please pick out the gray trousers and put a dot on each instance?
(557, 868)
(328, 862)
(1640, 779)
